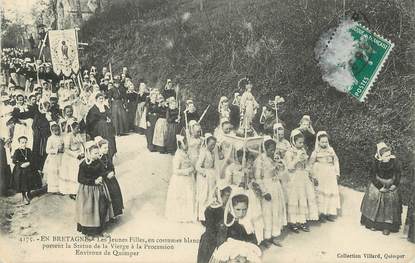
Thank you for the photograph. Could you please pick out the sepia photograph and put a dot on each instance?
(207, 131)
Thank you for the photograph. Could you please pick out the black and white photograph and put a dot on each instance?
(207, 131)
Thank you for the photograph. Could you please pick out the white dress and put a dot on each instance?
(205, 181)
(24, 128)
(180, 203)
(68, 177)
(53, 162)
(5, 115)
(281, 148)
(325, 168)
(274, 211)
(302, 203)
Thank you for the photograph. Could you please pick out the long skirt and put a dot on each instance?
(131, 115)
(51, 172)
(152, 119)
(39, 150)
(114, 190)
(328, 197)
(5, 172)
(274, 212)
(180, 199)
(205, 191)
(302, 203)
(25, 179)
(138, 116)
(171, 142)
(160, 131)
(93, 208)
(119, 117)
(381, 211)
(410, 218)
(106, 131)
(207, 245)
(68, 175)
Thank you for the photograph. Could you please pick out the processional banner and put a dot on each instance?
(64, 51)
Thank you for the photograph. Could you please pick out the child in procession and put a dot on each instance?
(93, 202)
(180, 201)
(53, 163)
(72, 156)
(325, 168)
(24, 178)
(302, 203)
(206, 176)
(110, 180)
(268, 176)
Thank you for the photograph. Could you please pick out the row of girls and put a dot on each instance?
(45, 142)
(252, 204)
(289, 184)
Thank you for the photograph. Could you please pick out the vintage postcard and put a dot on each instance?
(207, 131)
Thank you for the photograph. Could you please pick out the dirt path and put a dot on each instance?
(144, 178)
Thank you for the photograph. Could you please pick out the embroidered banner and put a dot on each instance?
(64, 51)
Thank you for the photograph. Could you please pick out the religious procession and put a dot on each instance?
(251, 182)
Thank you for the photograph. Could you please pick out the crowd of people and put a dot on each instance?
(60, 136)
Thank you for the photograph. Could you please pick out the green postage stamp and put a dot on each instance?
(351, 57)
(370, 54)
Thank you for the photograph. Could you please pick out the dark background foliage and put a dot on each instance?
(274, 42)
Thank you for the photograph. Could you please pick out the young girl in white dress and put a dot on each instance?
(54, 150)
(195, 141)
(282, 147)
(206, 176)
(302, 204)
(180, 198)
(268, 176)
(325, 167)
(74, 153)
(23, 127)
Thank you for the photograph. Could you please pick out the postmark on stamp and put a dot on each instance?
(351, 57)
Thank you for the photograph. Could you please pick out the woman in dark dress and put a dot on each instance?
(111, 181)
(24, 177)
(98, 123)
(41, 132)
(116, 96)
(172, 127)
(5, 172)
(381, 205)
(141, 103)
(132, 97)
(152, 110)
(93, 201)
(216, 232)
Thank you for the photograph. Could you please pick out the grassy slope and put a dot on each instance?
(273, 41)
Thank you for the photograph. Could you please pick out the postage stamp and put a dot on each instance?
(371, 52)
(351, 57)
